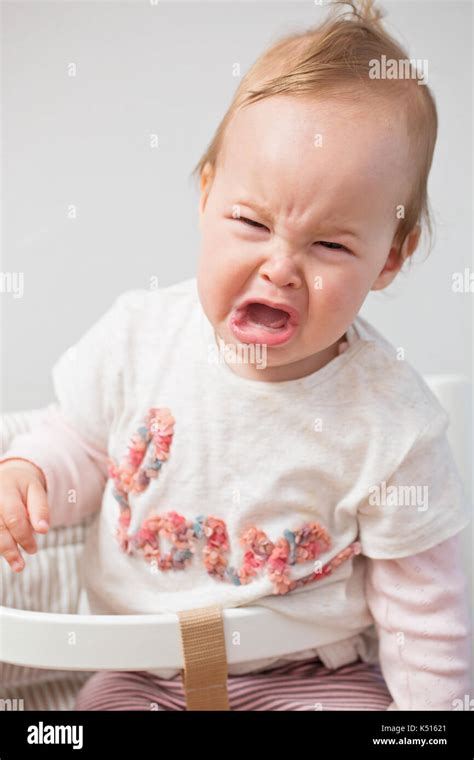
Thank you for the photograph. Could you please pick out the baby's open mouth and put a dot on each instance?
(257, 322)
(267, 316)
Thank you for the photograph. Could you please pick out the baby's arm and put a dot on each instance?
(71, 445)
(419, 605)
(75, 470)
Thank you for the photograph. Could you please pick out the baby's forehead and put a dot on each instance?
(301, 143)
(279, 128)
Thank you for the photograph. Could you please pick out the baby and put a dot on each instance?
(244, 437)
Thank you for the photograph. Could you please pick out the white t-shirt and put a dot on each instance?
(253, 485)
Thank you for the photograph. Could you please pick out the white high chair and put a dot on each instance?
(42, 667)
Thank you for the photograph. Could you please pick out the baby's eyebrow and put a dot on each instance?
(345, 231)
(265, 211)
(259, 207)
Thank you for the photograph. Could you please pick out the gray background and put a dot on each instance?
(166, 69)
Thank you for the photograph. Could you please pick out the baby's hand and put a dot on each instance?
(23, 508)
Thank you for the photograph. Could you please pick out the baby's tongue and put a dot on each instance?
(267, 315)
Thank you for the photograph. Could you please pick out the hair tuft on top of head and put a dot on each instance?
(365, 10)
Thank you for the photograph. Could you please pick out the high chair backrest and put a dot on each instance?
(454, 392)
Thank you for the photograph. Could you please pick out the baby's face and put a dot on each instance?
(300, 213)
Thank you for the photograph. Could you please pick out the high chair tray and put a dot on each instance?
(141, 642)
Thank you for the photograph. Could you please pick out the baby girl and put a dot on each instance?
(283, 477)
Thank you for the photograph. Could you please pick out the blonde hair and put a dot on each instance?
(334, 58)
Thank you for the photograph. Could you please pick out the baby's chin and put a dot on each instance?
(289, 353)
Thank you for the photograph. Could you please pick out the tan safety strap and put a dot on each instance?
(205, 663)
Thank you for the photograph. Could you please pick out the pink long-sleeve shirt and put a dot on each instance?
(418, 603)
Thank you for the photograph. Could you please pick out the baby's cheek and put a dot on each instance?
(217, 288)
(222, 257)
(339, 297)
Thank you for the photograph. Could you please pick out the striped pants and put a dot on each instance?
(303, 685)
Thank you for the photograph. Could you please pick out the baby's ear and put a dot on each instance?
(396, 259)
(411, 242)
(207, 175)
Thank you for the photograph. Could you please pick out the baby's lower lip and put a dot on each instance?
(249, 332)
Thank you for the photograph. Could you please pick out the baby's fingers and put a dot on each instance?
(15, 518)
(9, 548)
(37, 506)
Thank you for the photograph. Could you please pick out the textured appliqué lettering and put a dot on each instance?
(148, 450)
